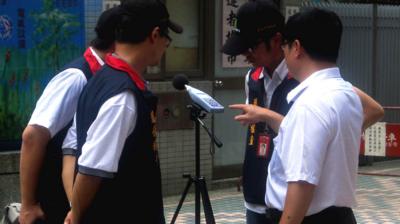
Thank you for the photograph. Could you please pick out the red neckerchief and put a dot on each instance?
(92, 60)
(121, 65)
(256, 74)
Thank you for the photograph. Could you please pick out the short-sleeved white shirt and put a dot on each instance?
(318, 142)
(106, 136)
(57, 104)
(270, 84)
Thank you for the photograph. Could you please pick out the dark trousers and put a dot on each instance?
(256, 218)
(330, 215)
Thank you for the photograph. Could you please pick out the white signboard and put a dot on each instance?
(229, 10)
(375, 140)
(108, 4)
(290, 11)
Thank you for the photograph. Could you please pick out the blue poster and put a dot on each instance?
(37, 37)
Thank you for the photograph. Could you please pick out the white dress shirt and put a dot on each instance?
(318, 142)
(57, 104)
(70, 143)
(106, 136)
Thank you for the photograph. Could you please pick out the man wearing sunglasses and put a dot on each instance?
(258, 36)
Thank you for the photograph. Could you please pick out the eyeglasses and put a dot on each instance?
(255, 45)
(165, 34)
(168, 37)
(284, 44)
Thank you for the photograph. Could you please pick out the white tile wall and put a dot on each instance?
(177, 148)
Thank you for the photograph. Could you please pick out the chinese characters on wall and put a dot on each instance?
(375, 140)
(290, 11)
(229, 10)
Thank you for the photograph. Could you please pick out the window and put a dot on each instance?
(184, 55)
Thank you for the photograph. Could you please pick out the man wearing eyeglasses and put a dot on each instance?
(119, 178)
(259, 38)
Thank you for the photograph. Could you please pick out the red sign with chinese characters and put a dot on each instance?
(362, 145)
(392, 144)
(392, 140)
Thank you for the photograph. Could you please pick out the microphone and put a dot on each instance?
(202, 99)
(180, 81)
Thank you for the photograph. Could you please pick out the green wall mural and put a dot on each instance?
(36, 39)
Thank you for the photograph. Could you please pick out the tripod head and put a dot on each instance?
(197, 114)
(201, 104)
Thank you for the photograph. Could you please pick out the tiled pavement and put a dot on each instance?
(378, 199)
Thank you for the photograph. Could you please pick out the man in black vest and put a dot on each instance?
(259, 37)
(118, 174)
(42, 193)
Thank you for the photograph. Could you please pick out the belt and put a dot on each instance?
(273, 214)
(331, 214)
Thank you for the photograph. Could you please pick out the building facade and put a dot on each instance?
(369, 31)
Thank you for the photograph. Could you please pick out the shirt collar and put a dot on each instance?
(94, 61)
(280, 72)
(99, 60)
(312, 79)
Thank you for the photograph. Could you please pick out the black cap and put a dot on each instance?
(257, 19)
(105, 26)
(151, 12)
(105, 29)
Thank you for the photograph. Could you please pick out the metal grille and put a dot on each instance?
(370, 49)
(93, 9)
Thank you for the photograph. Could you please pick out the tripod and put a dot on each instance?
(196, 114)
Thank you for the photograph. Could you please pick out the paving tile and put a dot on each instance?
(378, 200)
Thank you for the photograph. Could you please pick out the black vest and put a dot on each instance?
(255, 168)
(51, 193)
(134, 193)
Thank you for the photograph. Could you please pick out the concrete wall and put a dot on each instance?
(9, 179)
(177, 148)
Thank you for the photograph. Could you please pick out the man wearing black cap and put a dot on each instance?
(119, 178)
(258, 37)
(42, 193)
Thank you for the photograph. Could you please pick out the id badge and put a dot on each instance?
(264, 142)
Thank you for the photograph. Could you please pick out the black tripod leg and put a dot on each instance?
(189, 183)
(206, 202)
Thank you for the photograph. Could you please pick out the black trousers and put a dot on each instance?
(330, 215)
